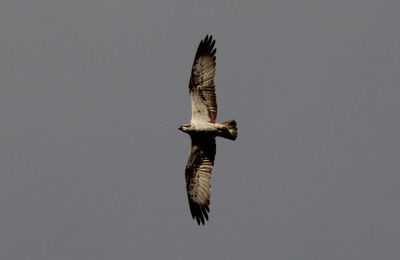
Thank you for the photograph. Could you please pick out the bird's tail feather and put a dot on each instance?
(231, 131)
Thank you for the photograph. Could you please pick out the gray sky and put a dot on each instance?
(92, 163)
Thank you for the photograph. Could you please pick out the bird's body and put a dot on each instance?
(194, 127)
(225, 129)
(203, 129)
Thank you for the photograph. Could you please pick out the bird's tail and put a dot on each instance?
(230, 130)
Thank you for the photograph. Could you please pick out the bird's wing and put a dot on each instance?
(201, 85)
(198, 176)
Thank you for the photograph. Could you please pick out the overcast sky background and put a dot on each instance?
(92, 163)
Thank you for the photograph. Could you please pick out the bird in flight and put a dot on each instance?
(203, 129)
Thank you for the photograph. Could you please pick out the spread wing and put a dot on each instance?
(198, 176)
(201, 85)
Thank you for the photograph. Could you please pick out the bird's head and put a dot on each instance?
(184, 128)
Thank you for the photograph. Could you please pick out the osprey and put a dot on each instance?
(203, 129)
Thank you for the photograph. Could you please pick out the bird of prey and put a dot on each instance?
(203, 129)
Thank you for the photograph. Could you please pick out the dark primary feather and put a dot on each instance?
(198, 176)
(201, 85)
(206, 47)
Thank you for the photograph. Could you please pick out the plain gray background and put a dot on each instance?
(92, 163)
